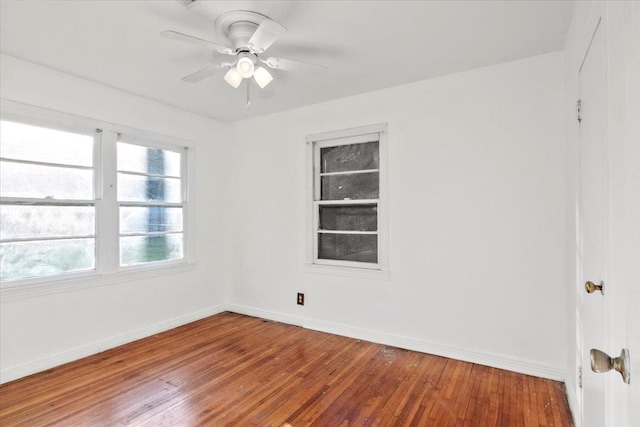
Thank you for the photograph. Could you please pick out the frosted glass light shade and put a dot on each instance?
(245, 67)
(233, 77)
(262, 77)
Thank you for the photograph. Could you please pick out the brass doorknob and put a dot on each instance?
(591, 287)
(602, 362)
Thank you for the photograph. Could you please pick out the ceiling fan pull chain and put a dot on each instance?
(248, 96)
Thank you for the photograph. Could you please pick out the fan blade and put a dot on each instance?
(266, 34)
(204, 73)
(295, 66)
(195, 40)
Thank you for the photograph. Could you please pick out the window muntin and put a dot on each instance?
(151, 203)
(47, 203)
(346, 199)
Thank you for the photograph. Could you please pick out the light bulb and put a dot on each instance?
(233, 77)
(245, 67)
(262, 77)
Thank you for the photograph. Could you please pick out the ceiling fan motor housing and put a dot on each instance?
(240, 33)
(238, 26)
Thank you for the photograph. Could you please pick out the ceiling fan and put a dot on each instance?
(250, 35)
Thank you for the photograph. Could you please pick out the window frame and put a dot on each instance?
(94, 134)
(315, 143)
(107, 253)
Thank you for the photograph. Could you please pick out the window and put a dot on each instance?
(76, 203)
(348, 200)
(47, 205)
(151, 205)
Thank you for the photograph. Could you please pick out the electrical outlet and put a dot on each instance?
(300, 298)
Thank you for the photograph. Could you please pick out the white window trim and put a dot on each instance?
(348, 268)
(107, 269)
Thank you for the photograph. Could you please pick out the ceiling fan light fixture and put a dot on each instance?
(262, 77)
(233, 77)
(245, 67)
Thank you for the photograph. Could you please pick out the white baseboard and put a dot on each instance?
(482, 358)
(19, 371)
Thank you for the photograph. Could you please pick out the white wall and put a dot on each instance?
(41, 331)
(477, 218)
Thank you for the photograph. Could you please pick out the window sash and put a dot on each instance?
(317, 175)
(184, 172)
(317, 231)
(41, 201)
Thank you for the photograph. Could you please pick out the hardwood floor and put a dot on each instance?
(234, 370)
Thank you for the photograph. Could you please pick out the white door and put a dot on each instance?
(609, 208)
(593, 202)
(624, 160)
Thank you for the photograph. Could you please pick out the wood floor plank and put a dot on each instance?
(235, 370)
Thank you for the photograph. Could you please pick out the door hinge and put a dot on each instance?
(579, 110)
(579, 376)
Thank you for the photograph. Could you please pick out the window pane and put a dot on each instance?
(25, 142)
(353, 218)
(348, 247)
(136, 188)
(150, 219)
(350, 186)
(141, 249)
(18, 221)
(352, 157)
(136, 158)
(45, 258)
(24, 180)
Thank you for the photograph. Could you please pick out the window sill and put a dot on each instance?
(45, 286)
(347, 271)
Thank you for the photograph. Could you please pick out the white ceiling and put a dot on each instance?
(367, 45)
